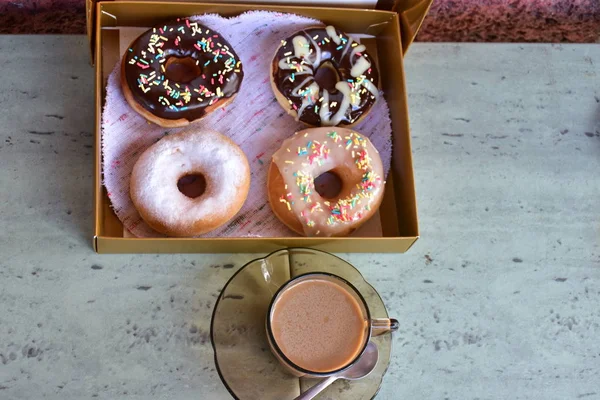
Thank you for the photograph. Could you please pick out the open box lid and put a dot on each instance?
(411, 12)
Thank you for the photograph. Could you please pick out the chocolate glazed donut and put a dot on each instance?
(345, 93)
(178, 72)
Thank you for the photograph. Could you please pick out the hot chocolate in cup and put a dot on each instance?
(318, 325)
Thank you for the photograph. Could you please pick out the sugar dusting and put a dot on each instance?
(222, 164)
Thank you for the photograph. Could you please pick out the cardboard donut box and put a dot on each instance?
(387, 28)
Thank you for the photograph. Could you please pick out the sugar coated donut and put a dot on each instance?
(324, 78)
(312, 152)
(154, 183)
(178, 72)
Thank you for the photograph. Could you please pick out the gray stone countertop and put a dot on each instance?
(499, 299)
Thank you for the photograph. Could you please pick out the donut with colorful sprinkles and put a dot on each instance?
(322, 77)
(178, 72)
(304, 157)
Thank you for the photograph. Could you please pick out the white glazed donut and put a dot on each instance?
(154, 190)
(310, 153)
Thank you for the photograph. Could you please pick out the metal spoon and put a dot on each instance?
(363, 367)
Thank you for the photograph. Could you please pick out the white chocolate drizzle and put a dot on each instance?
(344, 88)
(301, 48)
(308, 89)
(360, 67)
(300, 69)
(333, 34)
(308, 97)
(358, 49)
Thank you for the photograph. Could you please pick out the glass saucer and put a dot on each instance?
(242, 356)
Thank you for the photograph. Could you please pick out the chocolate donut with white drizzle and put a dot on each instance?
(343, 97)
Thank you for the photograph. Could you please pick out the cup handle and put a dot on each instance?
(379, 326)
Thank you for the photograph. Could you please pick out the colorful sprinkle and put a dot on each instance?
(282, 199)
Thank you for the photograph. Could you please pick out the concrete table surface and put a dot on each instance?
(499, 299)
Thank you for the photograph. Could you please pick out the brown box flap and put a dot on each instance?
(411, 12)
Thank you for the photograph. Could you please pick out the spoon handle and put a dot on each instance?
(318, 388)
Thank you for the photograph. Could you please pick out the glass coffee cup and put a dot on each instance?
(318, 324)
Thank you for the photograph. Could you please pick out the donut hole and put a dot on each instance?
(328, 185)
(327, 76)
(182, 69)
(192, 185)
